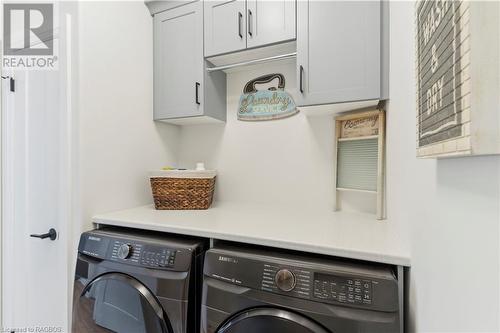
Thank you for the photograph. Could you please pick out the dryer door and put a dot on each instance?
(269, 320)
(116, 302)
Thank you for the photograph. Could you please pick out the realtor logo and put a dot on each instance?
(28, 30)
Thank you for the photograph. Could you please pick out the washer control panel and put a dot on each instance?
(343, 289)
(336, 282)
(303, 283)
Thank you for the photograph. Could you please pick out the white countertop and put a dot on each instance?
(342, 234)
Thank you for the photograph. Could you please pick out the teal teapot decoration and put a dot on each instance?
(270, 104)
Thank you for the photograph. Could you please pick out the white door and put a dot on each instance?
(36, 198)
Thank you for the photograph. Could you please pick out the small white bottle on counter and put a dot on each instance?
(200, 166)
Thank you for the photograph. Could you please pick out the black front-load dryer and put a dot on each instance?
(129, 281)
(267, 291)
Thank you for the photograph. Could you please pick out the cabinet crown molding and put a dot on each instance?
(158, 6)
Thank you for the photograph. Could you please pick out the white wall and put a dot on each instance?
(449, 208)
(119, 142)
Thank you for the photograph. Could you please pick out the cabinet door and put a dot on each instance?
(270, 21)
(178, 62)
(338, 51)
(225, 26)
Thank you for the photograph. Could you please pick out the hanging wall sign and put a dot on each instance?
(441, 59)
(274, 103)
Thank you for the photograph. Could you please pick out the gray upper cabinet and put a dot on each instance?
(270, 22)
(339, 52)
(225, 26)
(182, 87)
(342, 52)
(236, 25)
(178, 62)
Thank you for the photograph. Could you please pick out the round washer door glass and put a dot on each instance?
(270, 320)
(116, 302)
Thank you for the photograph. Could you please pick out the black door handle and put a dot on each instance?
(12, 82)
(52, 234)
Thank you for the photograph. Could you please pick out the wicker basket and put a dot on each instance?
(178, 190)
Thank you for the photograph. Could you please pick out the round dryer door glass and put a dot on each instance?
(116, 302)
(270, 320)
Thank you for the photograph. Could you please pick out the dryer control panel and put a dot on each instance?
(135, 251)
(143, 254)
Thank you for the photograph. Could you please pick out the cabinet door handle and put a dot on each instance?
(240, 20)
(250, 15)
(301, 79)
(196, 88)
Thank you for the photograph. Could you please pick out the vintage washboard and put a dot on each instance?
(360, 153)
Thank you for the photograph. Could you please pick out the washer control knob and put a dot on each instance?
(285, 280)
(124, 251)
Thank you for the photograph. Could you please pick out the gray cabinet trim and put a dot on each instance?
(157, 6)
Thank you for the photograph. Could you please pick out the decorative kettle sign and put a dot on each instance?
(274, 103)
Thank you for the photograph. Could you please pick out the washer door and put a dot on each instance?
(269, 320)
(116, 302)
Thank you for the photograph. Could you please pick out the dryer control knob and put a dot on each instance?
(124, 251)
(285, 280)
